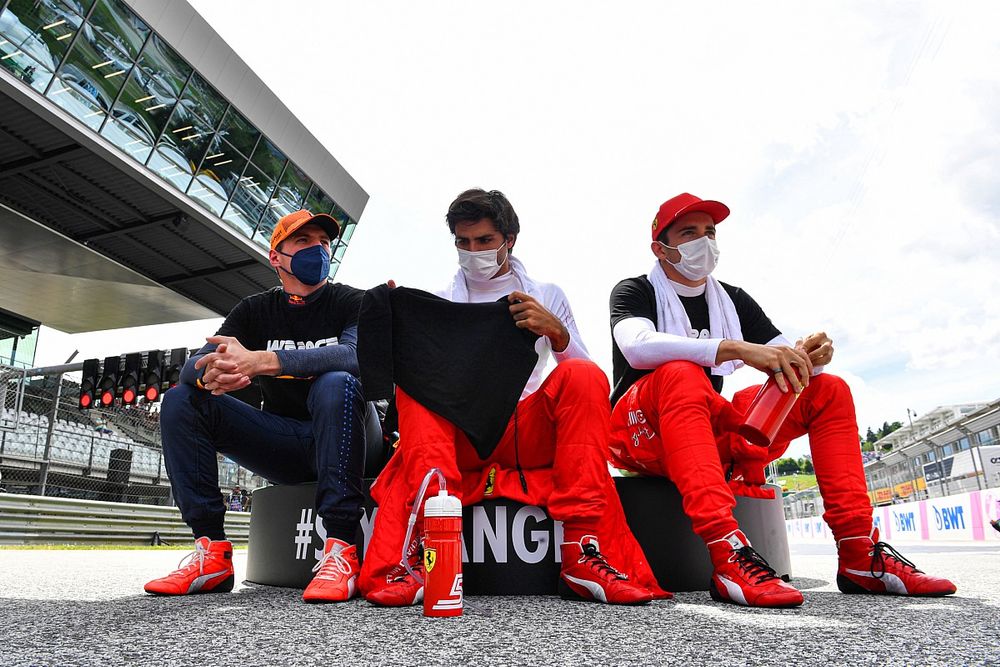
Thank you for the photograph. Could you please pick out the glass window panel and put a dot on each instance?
(81, 7)
(270, 218)
(262, 237)
(318, 201)
(238, 132)
(338, 254)
(348, 232)
(201, 98)
(253, 191)
(340, 216)
(115, 22)
(17, 62)
(94, 72)
(216, 180)
(189, 133)
(173, 164)
(293, 188)
(168, 70)
(146, 102)
(139, 115)
(288, 198)
(43, 29)
(269, 159)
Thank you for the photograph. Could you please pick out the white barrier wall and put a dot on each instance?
(964, 517)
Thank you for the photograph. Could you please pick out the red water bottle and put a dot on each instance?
(767, 413)
(443, 555)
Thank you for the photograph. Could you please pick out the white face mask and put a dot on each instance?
(481, 264)
(698, 258)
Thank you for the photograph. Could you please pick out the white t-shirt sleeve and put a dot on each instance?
(557, 303)
(645, 348)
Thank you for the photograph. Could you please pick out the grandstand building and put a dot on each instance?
(143, 166)
(937, 455)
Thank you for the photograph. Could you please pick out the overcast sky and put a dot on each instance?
(857, 144)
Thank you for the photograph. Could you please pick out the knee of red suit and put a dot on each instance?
(582, 372)
(682, 374)
(827, 391)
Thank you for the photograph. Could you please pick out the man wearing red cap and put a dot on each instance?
(299, 341)
(676, 332)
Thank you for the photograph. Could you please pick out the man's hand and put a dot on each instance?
(531, 315)
(788, 366)
(818, 346)
(232, 366)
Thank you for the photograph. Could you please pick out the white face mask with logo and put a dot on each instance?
(482, 264)
(698, 258)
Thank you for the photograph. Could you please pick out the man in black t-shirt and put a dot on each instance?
(676, 332)
(299, 342)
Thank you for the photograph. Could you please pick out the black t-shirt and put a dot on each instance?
(635, 297)
(275, 321)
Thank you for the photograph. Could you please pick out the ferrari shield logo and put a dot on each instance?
(430, 559)
(491, 479)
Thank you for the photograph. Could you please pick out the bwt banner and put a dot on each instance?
(963, 517)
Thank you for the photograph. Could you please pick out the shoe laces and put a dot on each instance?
(754, 564)
(196, 557)
(883, 550)
(332, 561)
(402, 575)
(598, 563)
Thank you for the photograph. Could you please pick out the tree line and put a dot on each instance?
(871, 437)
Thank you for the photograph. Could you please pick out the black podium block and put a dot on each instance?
(677, 555)
(508, 548)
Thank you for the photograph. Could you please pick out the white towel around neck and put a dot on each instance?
(671, 317)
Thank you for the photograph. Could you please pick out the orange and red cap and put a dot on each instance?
(288, 224)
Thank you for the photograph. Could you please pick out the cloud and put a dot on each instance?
(857, 145)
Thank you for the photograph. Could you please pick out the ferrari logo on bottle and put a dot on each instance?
(430, 559)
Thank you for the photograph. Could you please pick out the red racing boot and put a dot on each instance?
(587, 575)
(207, 569)
(401, 589)
(336, 573)
(870, 566)
(742, 576)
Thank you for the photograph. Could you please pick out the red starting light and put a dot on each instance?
(128, 396)
(85, 400)
(152, 393)
(107, 398)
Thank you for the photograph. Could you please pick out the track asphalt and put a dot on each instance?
(62, 607)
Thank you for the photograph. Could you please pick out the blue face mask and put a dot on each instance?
(310, 265)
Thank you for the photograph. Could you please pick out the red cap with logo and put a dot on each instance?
(293, 221)
(683, 203)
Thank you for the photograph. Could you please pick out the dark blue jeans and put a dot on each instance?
(329, 449)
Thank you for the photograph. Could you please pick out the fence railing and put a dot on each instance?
(50, 447)
(28, 519)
